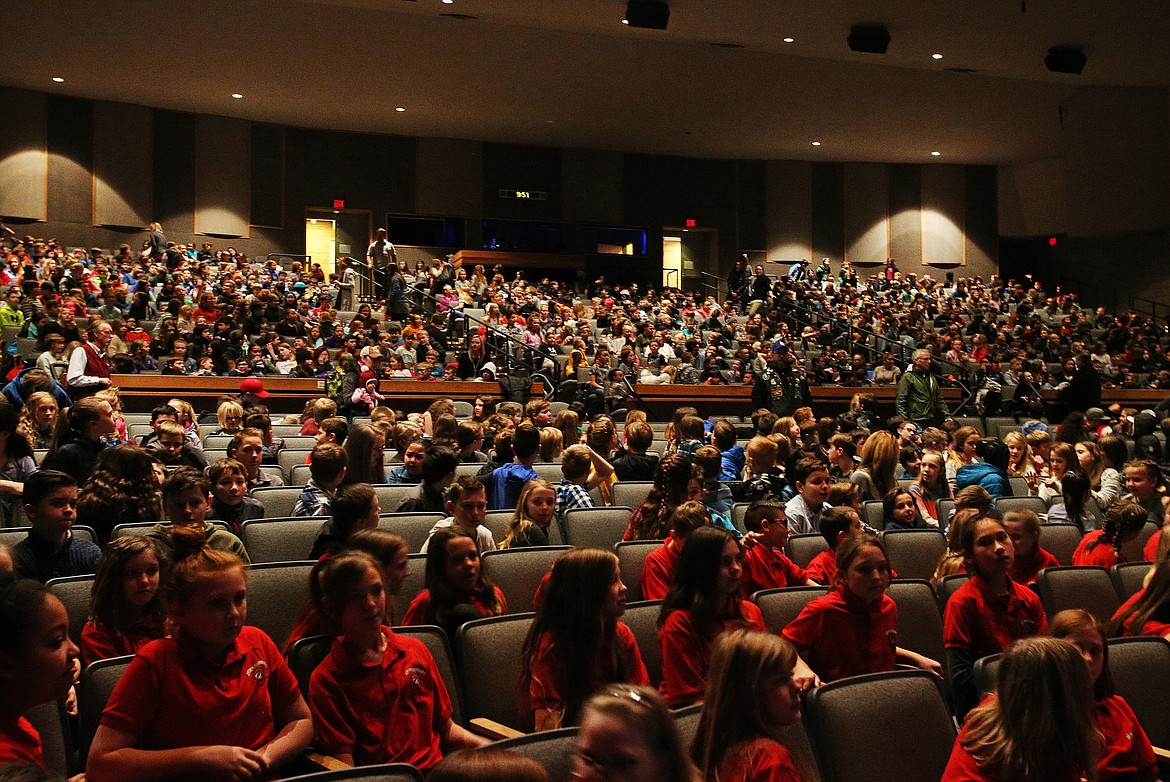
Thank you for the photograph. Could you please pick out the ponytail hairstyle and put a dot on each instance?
(1122, 518)
(71, 425)
(193, 560)
(333, 580)
(1074, 485)
(651, 520)
(107, 609)
(571, 614)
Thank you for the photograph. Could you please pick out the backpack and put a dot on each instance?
(333, 383)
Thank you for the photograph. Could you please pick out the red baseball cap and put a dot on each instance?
(254, 386)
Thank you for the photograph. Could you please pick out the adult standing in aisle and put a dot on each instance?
(380, 253)
(920, 396)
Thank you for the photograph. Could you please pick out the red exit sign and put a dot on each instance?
(338, 203)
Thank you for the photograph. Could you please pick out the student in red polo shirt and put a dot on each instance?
(837, 523)
(854, 629)
(658, 569)
(37, 664)
(1127, 753)
(703, 602)
(457, 590)
(377, 697)
(1124, 520)
(214, 700)
(1148, 611)
(577, 644)
(988, 612)
(127, 609)
(1023, 527)
(765, 565)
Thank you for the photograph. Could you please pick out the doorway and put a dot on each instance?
(321, 242)
(690, 258)
(331, 234)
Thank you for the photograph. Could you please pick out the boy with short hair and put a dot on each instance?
(323, 408)
(262, 422)
(765, 564)
(187, 501)
(157, 416)
(508, 480)
(842, 453)
(716, 494)
(812, 491)
(573, 491)
(467, 503)
(247, 448)
(836, 525)
(438, 472)
(765, 479)
(230, 502)
(327, 470)
(634, 464)
(355, 507)
(539, 413)
(51, 550)
(172, 448)
(332, 430)
(733, 458)
(469, 438)
(658, 569)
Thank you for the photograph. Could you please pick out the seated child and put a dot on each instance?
(327, 470)
(837, 523)
(355, 507)
(716, 495)
(765, 480)
(901, 511)
(187, 501)
(1023, 527)
(172, 448)
(51, 550)
(658, 569)
(732, 457)
(230, 502)
(765, 564)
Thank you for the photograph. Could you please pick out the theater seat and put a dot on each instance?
(781, 606)
(276, 593)
(914, 553)
(391, 772)
(631, 556)
(1128, 577)
(596, 527)
(1141, 674)
(552, 749)
(642, 619)
(489, 667)
(518, 572)
(93, 692)
(278, 501)
(631, 493)
(1060, 539)
(280, 539)
(1089, 588)
(804, 547)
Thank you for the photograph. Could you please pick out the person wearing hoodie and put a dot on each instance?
(733, 456)
(1145, 444)
(29, 380)
(990, 474)
(634, 464)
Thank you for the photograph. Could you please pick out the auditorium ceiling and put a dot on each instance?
(721, 82)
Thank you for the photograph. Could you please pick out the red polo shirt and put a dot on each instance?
(767, 568)
(1150, 550)
(1127, 748)
(395, 711)
(1026, 571)
(1151, 627)
(758, 760)
(658, 569)
(962, 767)
(823, 568)
(171, 697)
(686, 655)
(841, 636)
(417, 613)
(986, 623)
(548, 676)
(98, 643)
(1101, 555)
(20, 743)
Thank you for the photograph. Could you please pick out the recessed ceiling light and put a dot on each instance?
(625, 21)
(448, 2)
(789, 40)
(400, 108)
(936, 56)
(237, 95)
(936, 153)
(58, 79)
(816, 143)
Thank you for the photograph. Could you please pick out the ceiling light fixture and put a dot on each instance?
(816, 143)
(448, 2)
(58, 79)
(936, 56)
(237, 95)
(400, 108)
(936, 153)
(789, 40)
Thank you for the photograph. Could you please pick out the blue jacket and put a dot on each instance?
(983, 474)
(12, 391)
(506, 483)
(732, 464)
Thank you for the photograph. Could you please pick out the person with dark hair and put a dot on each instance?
(51, 550)
(457, 588)
(78, 441)
(991, 473)
(507, 481)
(779, 387)
(466, 504)
(122, 489)
(438, 472)
(327, 471)
(1102, 548)
(187, 500)
(629, 729)
(355, 507)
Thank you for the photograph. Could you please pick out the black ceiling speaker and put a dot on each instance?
(651, 14)
(869, 38)
(1066, 59)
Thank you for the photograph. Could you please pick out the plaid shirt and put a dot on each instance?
(570, 496)
(312, 502)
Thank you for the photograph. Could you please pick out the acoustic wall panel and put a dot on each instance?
(944, 211)
(223, 170)
(828, 211)
(24, 156)
(123, 152)
(70, 142)
(174, 171)
(982, 228)
(592, 185)
(906, 215)
(267, 196)
(789, 197)
(867, 213)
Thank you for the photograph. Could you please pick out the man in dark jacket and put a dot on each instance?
(779, 387)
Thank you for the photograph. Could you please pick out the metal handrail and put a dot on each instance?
(715, 287)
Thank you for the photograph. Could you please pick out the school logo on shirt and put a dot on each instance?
(892, 637)
(418, 677)
(258, 671)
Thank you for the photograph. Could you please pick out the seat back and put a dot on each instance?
(596, 527)
(631, 493)
(920, 623)
(781, 606)
(278, 501)
(518, 572)
(949, 585)
(93, 692)
(1133, 550)
(143, 527)
(74, 592)
(1128, 577)
(1060, 539)
(305, 655)
(944, 508)
(916, 736)
(299, 475)
(411, 585)
(552, 749)
(914, 553)
(642, 619)
(289, 458)
(492, 645)
(739, 513)
(280, 540)
(631, 556)
(498, 521)
(390, 772)
(873, 513)
(414, 528)
(1089, 588)
(1141, 674)
(804, 547)
(276, 592)
(986, 673)
(51, 721)
(550, 471)
(1034, 504)
(1019, 486)
(10, 536)
(390, 496)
